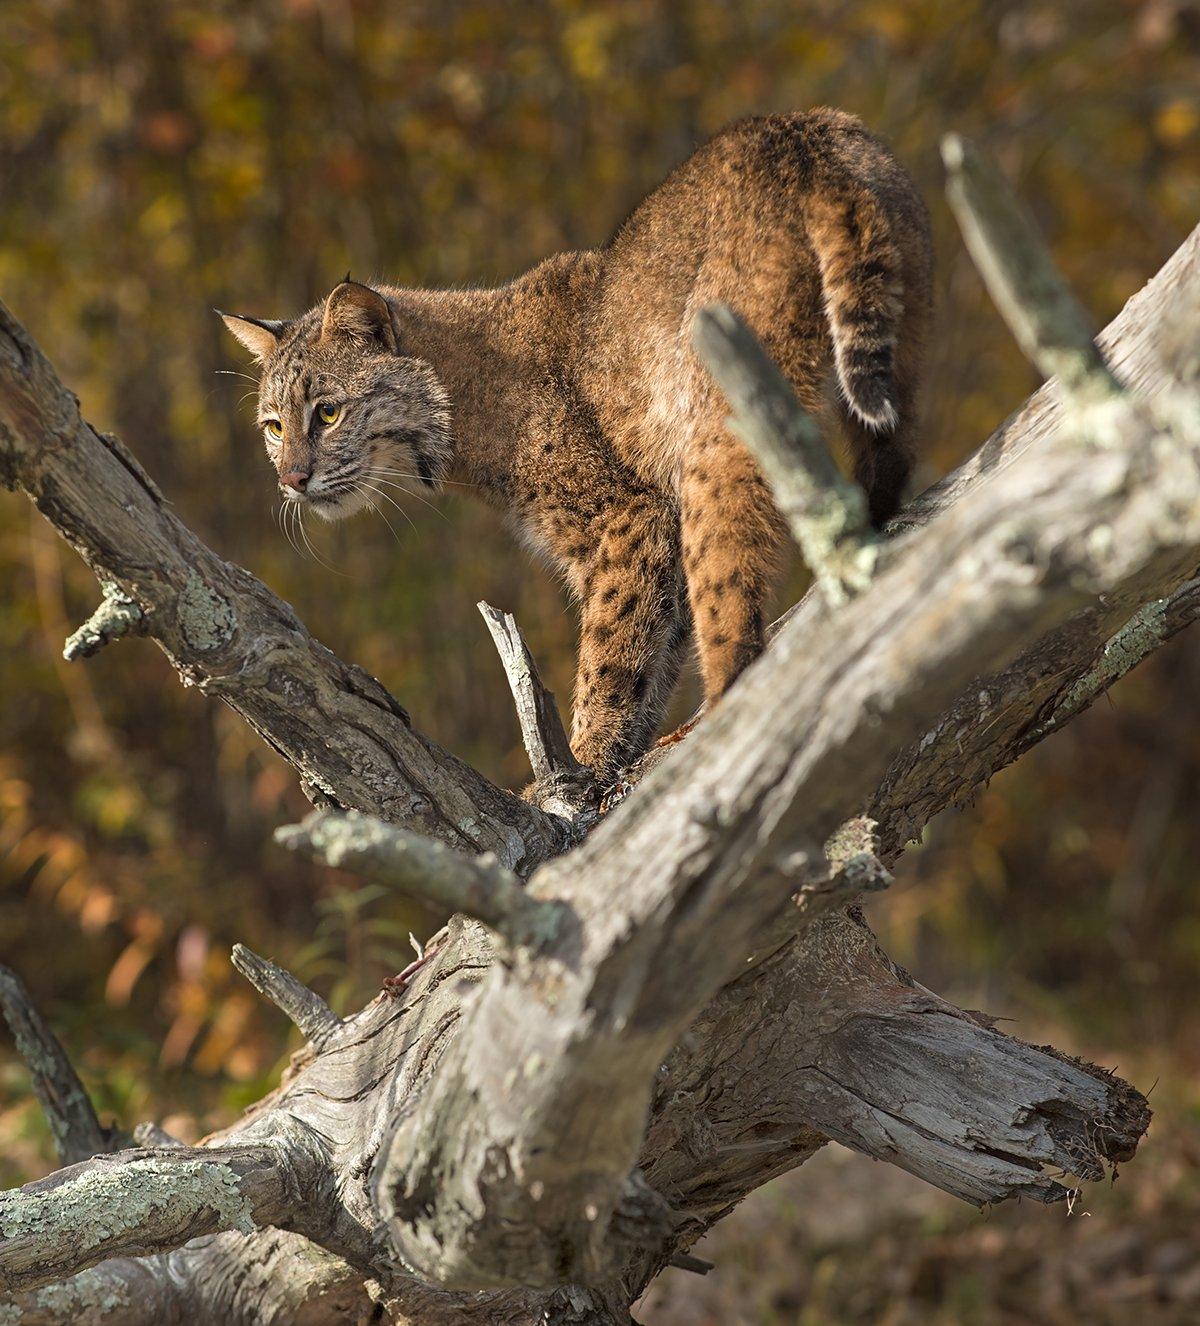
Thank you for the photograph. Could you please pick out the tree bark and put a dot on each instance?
(550, 1112)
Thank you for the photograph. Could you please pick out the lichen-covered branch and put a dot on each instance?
(826, 512)
(136, 1202)
(1032, 296)
(116, 616)
(429, 872)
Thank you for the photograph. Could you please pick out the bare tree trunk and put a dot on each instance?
(594, 1068)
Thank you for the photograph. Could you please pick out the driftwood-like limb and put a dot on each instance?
(735, 1074)
(142, 1201)
(116, 616)
(826, 512)
(306, 1009)
(76, 1130)
(1047, 321)
(430, 872)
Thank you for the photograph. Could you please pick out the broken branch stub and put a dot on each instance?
(306, 1009)
(117, 615)
(1045, 318)
(826, 512)
(563, 786)
(429, 872)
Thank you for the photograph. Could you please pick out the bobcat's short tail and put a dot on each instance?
(864, 298)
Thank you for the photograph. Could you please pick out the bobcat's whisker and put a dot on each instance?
(316, 556)
(408, 492)
(411, 474)
(385, 520)
(380, 493)
(285, 513)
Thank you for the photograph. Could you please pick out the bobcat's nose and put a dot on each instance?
(296, 479)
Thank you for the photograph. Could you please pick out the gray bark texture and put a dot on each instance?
(615, 1040)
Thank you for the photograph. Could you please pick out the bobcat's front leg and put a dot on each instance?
(634, 626)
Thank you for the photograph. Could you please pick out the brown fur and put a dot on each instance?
(572, 400)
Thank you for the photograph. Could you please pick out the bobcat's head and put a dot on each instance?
(344, 411)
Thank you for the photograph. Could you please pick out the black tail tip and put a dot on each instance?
(870, 401)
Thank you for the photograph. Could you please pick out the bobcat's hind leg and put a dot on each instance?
(732, 536)
(633, 632)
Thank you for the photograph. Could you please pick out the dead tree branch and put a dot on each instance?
(827, 513)
(143, 1201)
(564, 786)
(695, 862)
(558, 1115)
(1032, 297)
(116, 616)
(430, 872)
(68, 1108)
(305, 1008)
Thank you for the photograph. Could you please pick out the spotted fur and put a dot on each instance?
(571, 398)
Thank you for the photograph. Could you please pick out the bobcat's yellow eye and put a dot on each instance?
(274, 428)
(328, 413)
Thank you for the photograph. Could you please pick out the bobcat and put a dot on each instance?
(571, 398)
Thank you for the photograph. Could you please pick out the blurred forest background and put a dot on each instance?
(159, 159)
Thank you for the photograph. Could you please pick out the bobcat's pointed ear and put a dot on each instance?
(259, 335)
(353, 309)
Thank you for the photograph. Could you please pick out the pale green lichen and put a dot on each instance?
(86, 1297)
(205, 617)
(116, 616)
(1123, 651)
(110, 1201)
